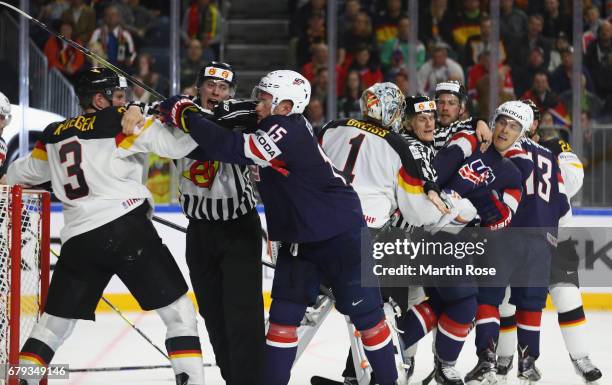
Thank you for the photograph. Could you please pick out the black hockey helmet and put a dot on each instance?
(419, 104)
(98, 79)
(452, 87)
(217, 71)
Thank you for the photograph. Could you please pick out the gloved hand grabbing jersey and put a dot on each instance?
(232, 113)
(172, 110)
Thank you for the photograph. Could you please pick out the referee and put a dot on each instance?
(223, 248)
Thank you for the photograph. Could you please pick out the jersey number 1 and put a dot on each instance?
(349, 166)
(74, 169)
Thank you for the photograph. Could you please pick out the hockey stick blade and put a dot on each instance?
(85, 51)
(317, 380)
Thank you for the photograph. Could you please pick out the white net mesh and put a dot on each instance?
(30, 250)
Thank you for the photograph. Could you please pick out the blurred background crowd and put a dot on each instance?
(373, 45)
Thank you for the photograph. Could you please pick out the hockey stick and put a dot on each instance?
(176, 227)
(122, 368)
(324, 289)
(86, 51)
(127, 320)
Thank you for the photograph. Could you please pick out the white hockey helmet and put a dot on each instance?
(285, 85)
(518, 111)
(383, 102)
(5, 108)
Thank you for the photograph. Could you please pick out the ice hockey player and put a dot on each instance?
(531, 249)
(564, 286)
(385, 173)
(223, 249)
(452, 309)
(96, 172)
(5, 119)
(299, 186)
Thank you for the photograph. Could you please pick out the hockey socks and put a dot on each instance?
(280, 350)
(185, 355)
(379, 350)
(487, 327)
(453, 327)
(507, 336)
(35, 352)
(47, 336)
(568, 302)
(528, 332)
(182, 341)
(417, 322)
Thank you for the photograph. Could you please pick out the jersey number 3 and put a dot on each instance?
(73, 169)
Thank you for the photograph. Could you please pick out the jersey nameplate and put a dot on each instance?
(368, 127)
(81, 123)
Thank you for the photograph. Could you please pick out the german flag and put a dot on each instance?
(125, 141)
(409, 183)
(39, 152)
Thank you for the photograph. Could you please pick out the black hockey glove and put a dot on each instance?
(236, 113)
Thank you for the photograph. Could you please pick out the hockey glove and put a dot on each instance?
(236, 113)
(172, 110)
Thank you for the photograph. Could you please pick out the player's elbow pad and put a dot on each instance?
(572, 172)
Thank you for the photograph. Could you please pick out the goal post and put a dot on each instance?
(24, 267)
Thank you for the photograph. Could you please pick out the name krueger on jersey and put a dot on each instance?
(95, 170)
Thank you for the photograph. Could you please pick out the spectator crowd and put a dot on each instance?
(373, 45)
(535, 51)
(131, 34)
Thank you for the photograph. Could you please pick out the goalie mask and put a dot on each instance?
(285, 85)
(98, 80)
(383, 102)
(5, 109)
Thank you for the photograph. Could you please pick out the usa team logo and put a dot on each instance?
(477, 172)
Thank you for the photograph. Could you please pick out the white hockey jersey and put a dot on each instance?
(382, 169)
(571, 167)
(95, 170)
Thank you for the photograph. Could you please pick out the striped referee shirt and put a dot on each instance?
(214, 190)
(444, 133)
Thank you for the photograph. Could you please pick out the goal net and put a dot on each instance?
(24, 266)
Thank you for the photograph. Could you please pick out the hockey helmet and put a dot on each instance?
(452, 87)
(5, 109)
(519, 111)
(419, 104)
(285, 85)
(383, 102)
(217, 71)
(536, 111)
(98, 79)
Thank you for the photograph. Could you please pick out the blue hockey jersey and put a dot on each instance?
(491, 182)
(306, 199)
(544, 199)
